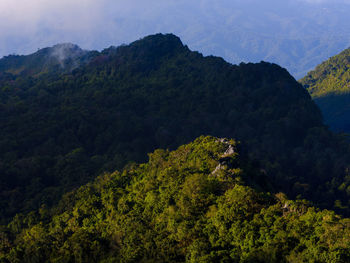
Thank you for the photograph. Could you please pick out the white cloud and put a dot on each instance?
(28, 14)
(45, 22)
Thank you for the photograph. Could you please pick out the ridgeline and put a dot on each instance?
(60, 129)
(329, 85)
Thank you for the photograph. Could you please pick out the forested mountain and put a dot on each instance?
(203, 202)
(296, 34)
(329, 85)
(59, 58)
(60, 129)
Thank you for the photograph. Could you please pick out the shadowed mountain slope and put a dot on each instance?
(61, 129)
(59, 58)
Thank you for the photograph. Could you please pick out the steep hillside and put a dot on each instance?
(329, 85)
(199, 203)
(330, 77)
(58, 131)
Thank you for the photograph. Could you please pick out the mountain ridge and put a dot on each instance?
(329, 85)
(59, 131)
(330, 77)
(63, 57)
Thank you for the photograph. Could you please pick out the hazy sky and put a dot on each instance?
(205, 25)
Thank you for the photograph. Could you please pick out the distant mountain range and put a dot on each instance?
(296, 34)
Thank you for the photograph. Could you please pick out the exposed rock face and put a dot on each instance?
(225, 158)
(230, 150)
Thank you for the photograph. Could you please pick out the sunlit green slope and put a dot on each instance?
(200, 203)
(332, 77)
(329, 85)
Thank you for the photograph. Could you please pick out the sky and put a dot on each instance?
(208, 26)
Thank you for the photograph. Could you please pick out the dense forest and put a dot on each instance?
(60, 129)
(329, 85)
(203, 202)
(57, 59)
(330, 77)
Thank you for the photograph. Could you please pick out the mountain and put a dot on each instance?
(329, 85)
(61, 57)
(60, 130)
(296, 34)
(200, 203)
(297, 54)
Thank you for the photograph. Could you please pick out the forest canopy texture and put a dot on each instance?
(200, 203)
(329, 85)
(65, 122)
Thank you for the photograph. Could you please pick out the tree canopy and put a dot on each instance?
(60, 129)
(329, 85)
(190, 205)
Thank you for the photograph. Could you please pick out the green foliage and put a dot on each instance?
(329, 85)
(330, 77)
(59, 130)
(179, 208)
